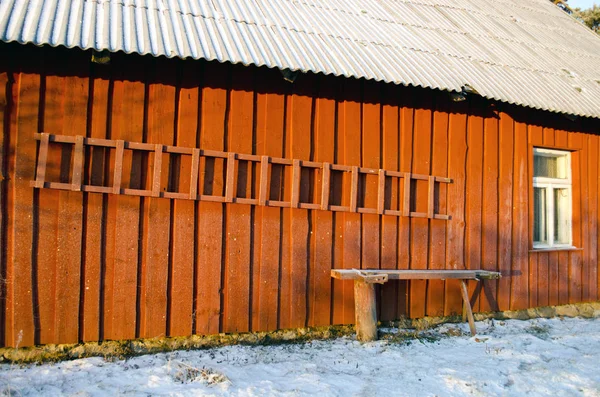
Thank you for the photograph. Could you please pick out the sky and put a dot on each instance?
(583, 3)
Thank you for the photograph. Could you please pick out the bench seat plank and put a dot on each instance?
(351, 274)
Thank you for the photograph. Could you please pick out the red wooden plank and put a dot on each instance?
(593, 216)
(48, 220)
(578, 161)
(505, 204)
(325, 186)
(20, 323)
(405, 151)
(354, 189)
(585, 218)
(78, 164)
(236, 312)
(300, 140)
(389, 224)
(264, 180)
(156, 249)
(371, 158)
(437, 251)
(543, 279)
(230, 185)
(537, 135)
(6, 123)
(520, 232)
(430, 197)
(183, 267)
(457, 153)
(548, 137)
(474, 195)
(118, 173)
(348, 153)
(128, 125)
(419, 249)
(210, 215)
(563, 277)
(270, 110)
(195, 165)
(157, 169)
(94, 247)
(70, 211)
(490, 225)
(296, 176)
(321, 262)
(553, 280)
(40, 174)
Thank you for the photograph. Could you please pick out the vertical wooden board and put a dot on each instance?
(575, 141)
(300, 140)
(575, 277)
(20, 323)
(585, 217)
(553, 279)
(6, 106)
(323, 235)
(520, 235)
(389, 224)
(94, 218)
(457, 156)
(370, 158)
(490, 226)
(422, 140)
(349, 149)
(505, 205)
(561, 138)
(543, 292)
(537, 135)
(161, 87)
(533, 279)
(338, 287)
(439, 167)
(47, 219)
(405, 150)
(183, 240)
(127, 124)
(548, 137)
(563, 277)
(210, 215)
(236, 312)
(593, 176)
(70, 213)
(474, 198)
(270, 111)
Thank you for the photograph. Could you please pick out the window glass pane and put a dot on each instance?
(550, 165)
(540, 230)
(562, 204)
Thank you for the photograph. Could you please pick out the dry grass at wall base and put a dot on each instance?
(411, 328)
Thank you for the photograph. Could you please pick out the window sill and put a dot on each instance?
(553, 249)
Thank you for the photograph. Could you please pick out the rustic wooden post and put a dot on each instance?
(365, 310)
(467, 306)
(365, 304)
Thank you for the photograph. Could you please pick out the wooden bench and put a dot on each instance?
(365, 304)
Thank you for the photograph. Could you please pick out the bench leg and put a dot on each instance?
(467, 306)
(365, 309)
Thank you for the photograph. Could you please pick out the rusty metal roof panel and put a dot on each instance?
(526, 53)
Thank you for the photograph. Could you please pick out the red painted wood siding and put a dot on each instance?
(87, 267)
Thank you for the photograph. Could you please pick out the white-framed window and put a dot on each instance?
(552, 199)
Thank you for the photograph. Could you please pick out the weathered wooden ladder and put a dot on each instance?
(229, 195)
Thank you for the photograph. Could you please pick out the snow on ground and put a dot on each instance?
(537, 357)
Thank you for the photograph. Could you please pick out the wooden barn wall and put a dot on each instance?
(87, 267)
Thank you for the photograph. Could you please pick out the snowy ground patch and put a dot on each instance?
(537, 357)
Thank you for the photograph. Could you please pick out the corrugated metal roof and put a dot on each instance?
(525, 53)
